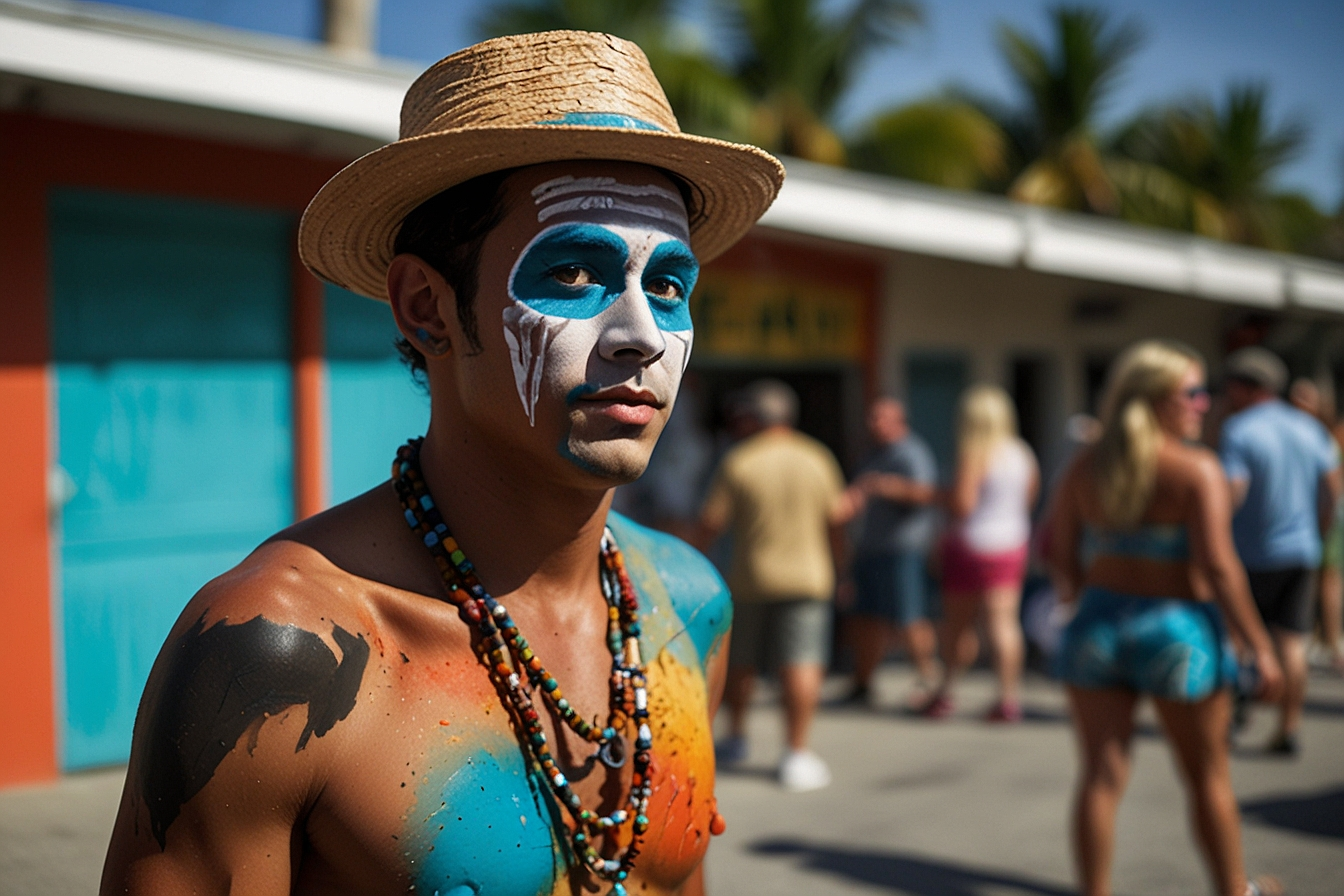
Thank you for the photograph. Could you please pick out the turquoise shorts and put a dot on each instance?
(1167, 647)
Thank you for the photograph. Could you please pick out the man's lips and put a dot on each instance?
(623, 404)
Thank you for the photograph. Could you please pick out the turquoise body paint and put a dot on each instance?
(482, 824)
(603, 254)
(697, 593)
(485, 828)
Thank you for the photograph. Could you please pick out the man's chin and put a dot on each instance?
(614, 461)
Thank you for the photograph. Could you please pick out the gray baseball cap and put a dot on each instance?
(1257, 365)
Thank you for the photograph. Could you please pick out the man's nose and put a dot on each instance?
(629, 331)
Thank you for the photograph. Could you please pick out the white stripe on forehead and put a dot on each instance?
(570, 195)
(552, 189)
(583, 203)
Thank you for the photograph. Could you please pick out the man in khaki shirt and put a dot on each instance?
(780, 495)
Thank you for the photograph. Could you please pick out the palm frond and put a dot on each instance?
(940, 141)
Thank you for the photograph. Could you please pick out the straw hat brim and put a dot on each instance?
(347, 232)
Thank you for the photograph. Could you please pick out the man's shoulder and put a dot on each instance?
(913, 448)
(285, 611)
(250, 645)
(1273, 422)
(663, 566)
(799, 447)
(1244, 422)
(282, 580)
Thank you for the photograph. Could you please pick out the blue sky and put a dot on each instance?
(1192, 47)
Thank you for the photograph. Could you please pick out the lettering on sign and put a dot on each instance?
(768, 316)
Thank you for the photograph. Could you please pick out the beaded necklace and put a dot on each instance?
(508, 652)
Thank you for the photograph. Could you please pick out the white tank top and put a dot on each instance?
(1000, 520)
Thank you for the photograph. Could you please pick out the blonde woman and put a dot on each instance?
(1142, 537)
(984, 552)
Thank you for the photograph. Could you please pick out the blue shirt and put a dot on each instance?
(891, 527)
(1281, 453)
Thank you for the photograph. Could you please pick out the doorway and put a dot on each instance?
(170, 342)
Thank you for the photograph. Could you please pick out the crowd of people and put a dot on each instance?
(798, 535)
(1179, 572)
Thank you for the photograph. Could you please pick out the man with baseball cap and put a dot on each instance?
(1285, 478)
(472, 679)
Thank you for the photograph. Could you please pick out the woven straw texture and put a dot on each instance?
(488, 108)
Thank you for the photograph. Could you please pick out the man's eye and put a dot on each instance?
(663, 288)
(573, 275)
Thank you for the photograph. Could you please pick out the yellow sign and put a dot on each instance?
(771, 317)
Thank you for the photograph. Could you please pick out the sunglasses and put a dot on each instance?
(1196, 393)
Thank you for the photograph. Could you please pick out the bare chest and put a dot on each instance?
(434, 791)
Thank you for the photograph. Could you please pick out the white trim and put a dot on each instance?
(911, 224)
(165, 65)
(1058, 244)
(891, 214)
(1316, 285)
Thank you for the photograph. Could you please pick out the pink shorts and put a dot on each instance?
(966, 571)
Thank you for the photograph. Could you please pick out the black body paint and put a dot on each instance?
(218, 683)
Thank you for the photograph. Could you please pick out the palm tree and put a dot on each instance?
(1044, 149)
(1208, 167)
(945, 141)
(789, 64)
(797, 63)
(1064, 86)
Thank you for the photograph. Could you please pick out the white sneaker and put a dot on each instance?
(803, 770)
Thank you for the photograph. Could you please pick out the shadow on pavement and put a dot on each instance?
(742, 770)
(1317, 707)
(899, 873)
(1317, 813)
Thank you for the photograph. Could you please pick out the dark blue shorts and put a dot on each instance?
(1167, 647)
(891, 587)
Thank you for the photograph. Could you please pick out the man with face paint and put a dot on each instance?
(474, 679)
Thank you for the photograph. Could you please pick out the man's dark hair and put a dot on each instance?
(446, 232)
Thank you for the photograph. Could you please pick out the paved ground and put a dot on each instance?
(956, 808)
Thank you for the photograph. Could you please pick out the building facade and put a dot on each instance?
(175, 386)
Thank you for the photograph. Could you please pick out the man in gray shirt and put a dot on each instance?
(894, 491)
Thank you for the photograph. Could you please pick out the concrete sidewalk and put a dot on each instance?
(951, 808)
(963, 808)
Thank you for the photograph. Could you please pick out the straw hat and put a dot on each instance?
(524, 100)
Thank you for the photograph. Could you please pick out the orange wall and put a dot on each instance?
(35, 154)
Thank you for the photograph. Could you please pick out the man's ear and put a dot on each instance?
(420, 300)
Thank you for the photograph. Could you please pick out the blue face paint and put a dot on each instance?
(593, 252)
(674, 263)
(579, 392)
(577, 271)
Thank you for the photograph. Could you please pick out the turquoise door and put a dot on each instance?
(933, 387)
(170, 341)
(373, 404)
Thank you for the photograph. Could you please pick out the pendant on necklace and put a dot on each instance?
(612, 753)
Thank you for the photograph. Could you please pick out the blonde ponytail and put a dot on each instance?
(1126, 454)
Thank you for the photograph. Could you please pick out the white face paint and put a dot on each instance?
(577, 194)
(612, 267)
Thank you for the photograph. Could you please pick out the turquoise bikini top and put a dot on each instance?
(1156, 541)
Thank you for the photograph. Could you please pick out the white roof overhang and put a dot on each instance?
(204, 67)
(884, 213)
(160, 58)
